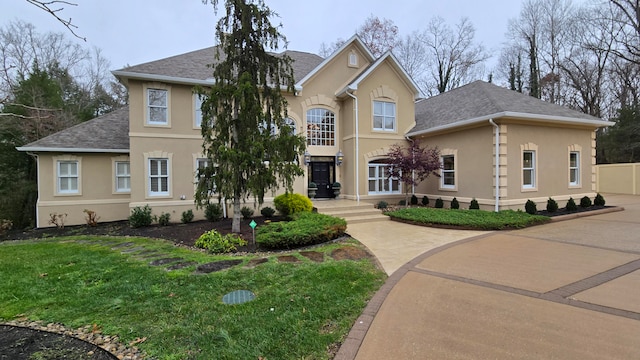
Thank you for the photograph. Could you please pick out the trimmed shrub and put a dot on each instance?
(414, 200)
(213, 212)
(246, 212)
(141, 216)
(267, 212)
(473, 205)
(571, 205)
(585, 202)
(187, 216)
(289, 204)
(530, 207)
(306, 228)
(402, 202)
(164, 219)
(425, 201)
(599, 200)
(439, 203)
(218, 243)
(455, 204)
(382, 205)
(552, 205)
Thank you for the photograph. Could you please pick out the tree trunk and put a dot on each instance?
(235, 225)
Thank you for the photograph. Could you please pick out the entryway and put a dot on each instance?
(323, 173)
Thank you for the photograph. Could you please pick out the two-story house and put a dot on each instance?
(498, 146)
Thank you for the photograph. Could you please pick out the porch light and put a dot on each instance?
(339, 158)
(307, 158)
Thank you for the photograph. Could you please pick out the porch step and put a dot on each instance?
(352, 211)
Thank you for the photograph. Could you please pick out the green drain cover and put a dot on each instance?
(238, 297)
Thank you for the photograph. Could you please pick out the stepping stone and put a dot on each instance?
(314, 256)
(255, 262)
(135, 249)
(165, 261)
(349, 253)
(288, 259)
(149, 254)
(126, 244)
(216, 266)
(181, 265)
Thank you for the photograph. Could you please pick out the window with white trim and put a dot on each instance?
(123, 176)
(321, 129)
(158, 177)
(197, 109)
(68, 177)
(201, 165)
(448, 178)
(528, 169)
(379, 180)
(157, 106)
(574, 168)
(384, 116)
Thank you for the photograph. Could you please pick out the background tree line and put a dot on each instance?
(47, 83)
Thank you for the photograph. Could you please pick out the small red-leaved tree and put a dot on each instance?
(413, 164)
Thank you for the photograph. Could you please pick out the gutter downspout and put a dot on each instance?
(497, 131)
(35, 156)
(413, 172)
(357, 145)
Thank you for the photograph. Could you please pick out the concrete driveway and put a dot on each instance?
(566, 290)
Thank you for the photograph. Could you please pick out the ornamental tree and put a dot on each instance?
(413, 164)
(249, 146)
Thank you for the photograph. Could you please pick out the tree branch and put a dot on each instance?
(47, 6)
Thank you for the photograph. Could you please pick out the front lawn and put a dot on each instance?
(468, 219)
(302, 310)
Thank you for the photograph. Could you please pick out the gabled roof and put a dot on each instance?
(108, 133)
(395, 63)
(480, 101)
(192, 67)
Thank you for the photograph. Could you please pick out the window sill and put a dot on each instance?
(448, 189)
(528, 190)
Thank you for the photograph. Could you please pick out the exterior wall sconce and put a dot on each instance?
(307, 158)
(339, 158)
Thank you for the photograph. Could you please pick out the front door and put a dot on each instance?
(322, 175)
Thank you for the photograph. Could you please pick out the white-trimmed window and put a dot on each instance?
(157, 106)
(158, 177)
(68, 177)
(384, 116)
(197, 110)
(574, 168)
(528, 169)
(448, 178)
(123, 176)
(321, 129)
(201, 164)
(380, 182)
(353, 59)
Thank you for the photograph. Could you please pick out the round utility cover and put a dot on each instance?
(238, 297)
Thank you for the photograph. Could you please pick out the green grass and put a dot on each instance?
(299, 312)
(469, 219)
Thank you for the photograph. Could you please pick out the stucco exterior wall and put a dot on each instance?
(618, 178)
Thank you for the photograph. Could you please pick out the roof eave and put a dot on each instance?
(515, 115)
(162, 78)
(75, 150)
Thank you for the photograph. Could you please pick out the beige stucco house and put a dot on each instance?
(349, 104)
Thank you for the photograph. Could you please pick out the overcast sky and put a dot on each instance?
(136, 31)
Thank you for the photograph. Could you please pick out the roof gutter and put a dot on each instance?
(357, 143)
(497, 166)
(515, 115)
(80, 150)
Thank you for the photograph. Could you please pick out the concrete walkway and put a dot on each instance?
(566, 290)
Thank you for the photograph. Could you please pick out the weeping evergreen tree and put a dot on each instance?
(250, 148)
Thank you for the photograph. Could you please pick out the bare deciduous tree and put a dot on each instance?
(54, 7)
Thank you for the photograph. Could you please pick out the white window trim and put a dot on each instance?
(444, 153)
(197, 111)
(532, 148)
(384, 117)
(384, 178)
(116, 161)
(56, 166)
(147, 115)
(353, 59)
(158, 155)
(577, 168)
(196, 159)
(322, 139)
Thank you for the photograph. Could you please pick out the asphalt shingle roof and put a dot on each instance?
(106, 132)
(479, 99)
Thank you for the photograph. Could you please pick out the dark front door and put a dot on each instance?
(322, 175)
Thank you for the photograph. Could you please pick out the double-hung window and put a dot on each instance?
(197, 110)
(379, 180)
(68, 177)
(384, 116)
(123, 176)
(574, 168)
(448, 179)
(528, 169)
(158, 177)
(157, 107)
